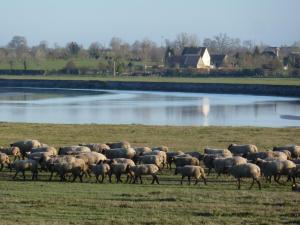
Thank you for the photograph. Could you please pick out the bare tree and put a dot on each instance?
(73, 48)
(95, 50)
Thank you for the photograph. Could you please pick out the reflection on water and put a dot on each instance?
(155, 108)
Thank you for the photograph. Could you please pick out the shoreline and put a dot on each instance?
(216, 88)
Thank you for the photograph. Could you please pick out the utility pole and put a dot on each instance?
(114, 68)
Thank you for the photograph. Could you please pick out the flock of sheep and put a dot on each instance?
(72, 162)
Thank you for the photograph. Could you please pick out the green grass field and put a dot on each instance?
(238, 80)
(219, 202)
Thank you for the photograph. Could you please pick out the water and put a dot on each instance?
(64, 106)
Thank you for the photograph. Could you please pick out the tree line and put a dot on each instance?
(122, 56)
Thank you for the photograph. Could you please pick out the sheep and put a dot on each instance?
(161, 148)
(96, 147)
(49, 149)
(208, 161)
(242, 150)
(52, 163)
(151, 159)
(183, 161)
(262, 155)
(161, 154)
(141, 150)
(248, 170)
(123, 144)
(170, 157)
(128, 153)
(73, 150)
(100, 169)
(4, 159)
(191, 171)
(118, 169)
(123, 160)
(23, 165)
(91, 157)
(197, 155)
(77, 168)
(220, 152)
(276, 168)
(26, 146)
(222, 165)
(294, 149)
(13, 151)
(280, 155)
(144, 169)
(38, 155)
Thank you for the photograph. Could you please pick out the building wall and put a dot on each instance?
(206, 58)
(204, 62)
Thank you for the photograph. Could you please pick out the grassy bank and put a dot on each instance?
(221, 80)
(168, 203)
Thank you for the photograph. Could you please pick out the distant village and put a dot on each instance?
(184, 56)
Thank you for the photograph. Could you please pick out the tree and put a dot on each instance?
(115, 44)
(73, 48)
(18, 42)
(222, 42)
(95, 50)
(186, 40)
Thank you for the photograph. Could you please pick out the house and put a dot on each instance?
(218, 60)
(271, 52)
(191, 57)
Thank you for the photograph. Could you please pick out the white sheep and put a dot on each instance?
(191, 171)
(242, 150)
(4, 159)
(248, 170)
(13, 151)
(23, 165)
(100, 169)
(145, 169)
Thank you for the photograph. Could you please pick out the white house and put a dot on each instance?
(191, 57)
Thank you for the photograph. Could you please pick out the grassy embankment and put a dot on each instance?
(231, 80)
(168, 203)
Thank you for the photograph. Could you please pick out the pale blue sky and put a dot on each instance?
(273, 22)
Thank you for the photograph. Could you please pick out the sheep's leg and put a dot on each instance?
(156, 178)
(23, 172)
(141, 179)
(80, 178)
(74, 178)
(239, 183)
(97, 178)
(153, 178)
(127, 179)
(14, 177)
(204, 180)
(134, 180)
(1, 168)
(120, 178)
(51, 175)
(258, 183)
(196, 182)
(182, 179)
(189, 179)
(276, 179)
(251, 184)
